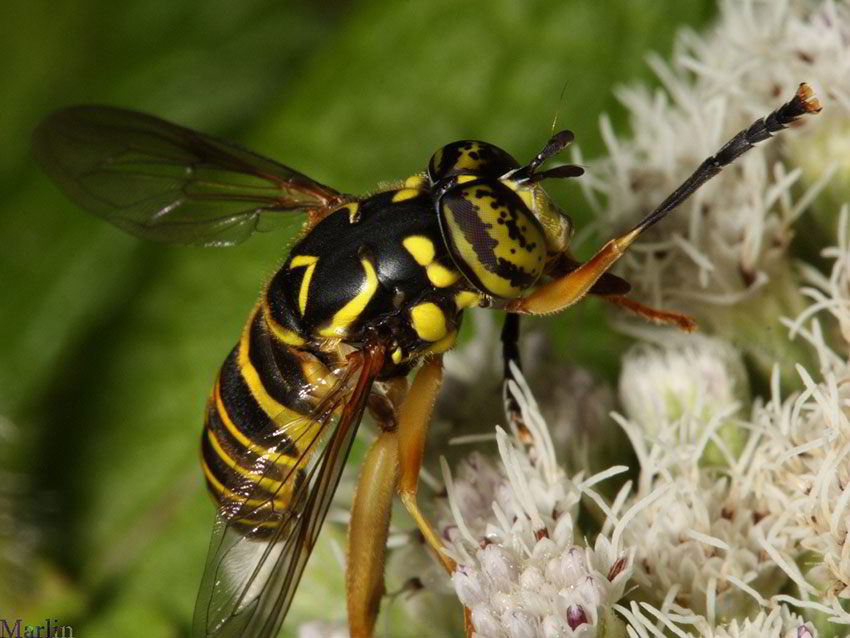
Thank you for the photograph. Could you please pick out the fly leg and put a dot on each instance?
(655, 315)
(367, 534)
(510, 352)
(392, 463)
(413, 419)
(371, 512)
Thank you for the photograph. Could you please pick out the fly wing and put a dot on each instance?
(162, 181)
(251, 574)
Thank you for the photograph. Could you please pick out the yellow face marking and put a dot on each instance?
(429, 322)
(297, 262)
(405, 193)
(467, 299)
(441, 276)
(527, 198)
(397, 356)
(421, 248)
(462, 179)
(415, 181)
(556, 224)
(446, 343)
(350, 311)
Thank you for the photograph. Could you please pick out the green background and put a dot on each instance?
(110, 345)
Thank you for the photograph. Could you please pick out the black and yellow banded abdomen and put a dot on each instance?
(260, 423)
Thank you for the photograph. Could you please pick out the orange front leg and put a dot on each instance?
(562, 292)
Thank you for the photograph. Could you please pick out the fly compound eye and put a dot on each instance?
(492, 236)
(470, 157)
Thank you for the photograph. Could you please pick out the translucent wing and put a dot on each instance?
(162, 181)
(251, 574)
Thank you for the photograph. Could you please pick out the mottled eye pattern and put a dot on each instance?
(470, 157)
(494, 239)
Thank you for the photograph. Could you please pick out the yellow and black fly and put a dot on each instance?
(374, 289)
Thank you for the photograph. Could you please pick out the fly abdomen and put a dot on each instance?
(261, 427)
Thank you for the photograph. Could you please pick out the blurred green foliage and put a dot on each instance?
(110, 345)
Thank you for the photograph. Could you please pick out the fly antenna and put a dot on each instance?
(803, 102)
(560, 106)
(557, 143)
(567, 170)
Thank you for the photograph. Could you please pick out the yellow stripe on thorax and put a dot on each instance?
(416, 181)
(351, 310)
(405, 193)
(297, 262)
(440, 276)
(420, 248)
(428, 321)
(423, 252)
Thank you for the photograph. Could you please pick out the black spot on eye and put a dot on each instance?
(517, 277)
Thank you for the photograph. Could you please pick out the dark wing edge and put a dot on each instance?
(166, 182)
(257, 605)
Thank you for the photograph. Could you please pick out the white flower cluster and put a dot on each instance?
(723, 542)
(801, 465)
(661, 384)
(700, 540)
(521, 570)
(747, 509)
(778, 623)
(727, 240)
(708, 553)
